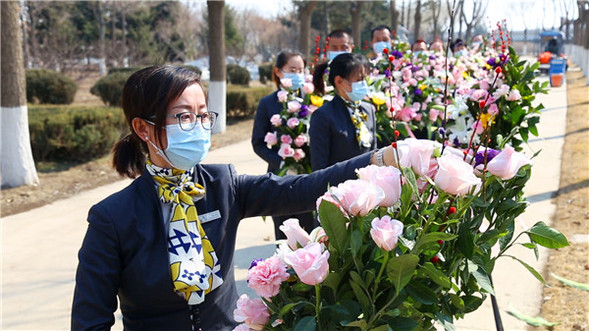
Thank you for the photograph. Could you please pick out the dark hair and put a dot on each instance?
(343, 65)
(147, 94)
(339, 33)
(281, 60)
(456, 43)
(379, 28)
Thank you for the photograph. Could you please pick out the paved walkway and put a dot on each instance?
(39, 247)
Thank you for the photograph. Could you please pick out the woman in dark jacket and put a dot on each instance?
(345, 126)
(164, 245)
(291, 65)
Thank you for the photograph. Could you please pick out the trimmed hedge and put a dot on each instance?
(74, 134)
(238, 75)
(265, 71)
(243, 101)
(110, 87)
(49, 87)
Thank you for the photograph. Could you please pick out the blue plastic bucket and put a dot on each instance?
(557, 66)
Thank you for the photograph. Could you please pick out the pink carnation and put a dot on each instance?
(309, 263)
(276, 120)
(266, 276)
(385, 232)
(254, 312)
(271, 139)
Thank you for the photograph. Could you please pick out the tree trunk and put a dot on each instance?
(435, 17)
(408, 16)
(402, 12)
(305, 11)
(17, 165)
(417, 25)
(101, 41)
(124, 38)
(356, 13)
(34, 49)
(326, 25)
(394, 15)
(218, 84)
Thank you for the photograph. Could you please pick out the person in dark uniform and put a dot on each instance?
(345, 126)
(289, 64)
(164, 245)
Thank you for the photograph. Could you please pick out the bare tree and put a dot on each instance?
(436, 10)
(305, 9)
(408, 26)
(356, 13)
(17, 165)
(217, 85)
(101, 37)
(417, 24)
(394, 15)
(478, 9)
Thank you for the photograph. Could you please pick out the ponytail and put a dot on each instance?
(318, 78)
(129, 156)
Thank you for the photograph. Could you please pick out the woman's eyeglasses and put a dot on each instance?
(188, 120)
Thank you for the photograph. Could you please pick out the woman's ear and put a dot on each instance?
(338, 80)
(141, 128)
(278, 73)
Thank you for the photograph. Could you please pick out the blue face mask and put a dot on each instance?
(185, 148)
(359, 91)
(297, 80)
(461, 53)
(417, 53)
(380, 46)
(332, 54)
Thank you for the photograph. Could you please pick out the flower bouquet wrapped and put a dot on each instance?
(401, 247)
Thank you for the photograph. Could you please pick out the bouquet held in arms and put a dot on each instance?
(292, 126)
(400, 248)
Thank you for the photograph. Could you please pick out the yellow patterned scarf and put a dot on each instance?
(193, 263)
(359, 119)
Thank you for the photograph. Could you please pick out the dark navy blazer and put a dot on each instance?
(268, 106)
(125, 250)
(332, 135)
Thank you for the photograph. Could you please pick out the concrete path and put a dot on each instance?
(39, 247)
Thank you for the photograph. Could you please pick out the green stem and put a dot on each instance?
(317, 305)
(377, 280)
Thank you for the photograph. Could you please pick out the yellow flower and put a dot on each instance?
(465, 74)
(377, 100)
(422, 87)
(487, 119)
(317, 101)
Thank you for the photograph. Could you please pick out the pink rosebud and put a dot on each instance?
(282, 96)
(514, 95)
(270, 139)
(309, 263)
(493, 109)
(308, 88)
(299, 154)
(293, 106)
(292, 122)
(295, 235)
(276, 120)
(359, 197)
(266, 276)
(387, 178)
(286, 82)
(286, 151)
(455, 176)
(416, 154)
(318, 235)
(507, 163)
(254, 312)
(300, 140)
(285, 139)
(385, 232)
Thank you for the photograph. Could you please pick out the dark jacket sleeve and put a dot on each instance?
(97, 277)
(320, 138)
(262, 125)
(292, 194)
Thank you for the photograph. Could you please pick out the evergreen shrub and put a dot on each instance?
(46, 86)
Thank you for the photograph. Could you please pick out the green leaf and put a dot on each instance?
(334, 224)
(400, 270)
(446, 321)
(363, 299)
(481, 277)
(456, 301)
(572, 283)
(289, 307)
(465, 240)
(421, 293)
(534, 321)
(411, 180)
(434, 274)
(546, 236)
(429, 238)
(530, 269)
(307, 323)
(382, 328)
(359, 324)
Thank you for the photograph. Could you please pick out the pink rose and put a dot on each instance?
(309, 263)
(276, 120)
(242, 327)
(254, 313)
(285, 139)
(299, 154)
(328, 196)
(359, 197)
(318, 235)
(406, 114)
(266, 276)
(295, 235)
(300, 140)
(507, 163)
(308, 88)
(416, 154)
(387, 178)
(514, 95)
(455, 176)
(271, 139)
(293, 106)
(286, 82)
(292, 122)
(286, 151)
(385, 232)
(478, 94)
(282, 96)
(501, 91)
(433, 114)
(493, 109)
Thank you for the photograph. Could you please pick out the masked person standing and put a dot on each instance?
(289, 65)
(345, 126)
(340, 42)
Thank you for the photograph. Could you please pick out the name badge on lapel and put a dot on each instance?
(204, 218)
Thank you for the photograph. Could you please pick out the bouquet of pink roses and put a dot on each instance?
(405, 246)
